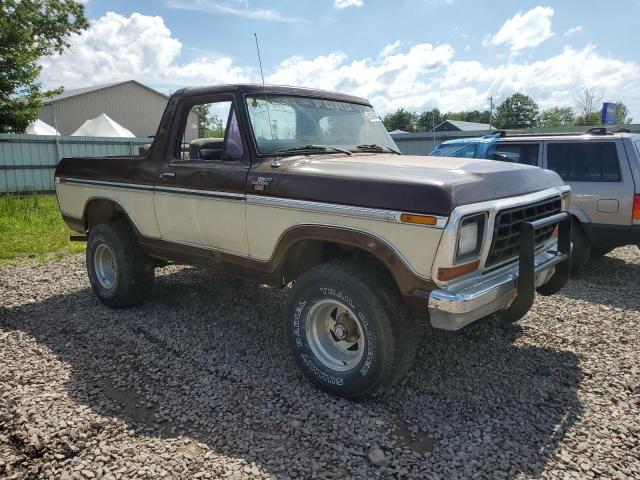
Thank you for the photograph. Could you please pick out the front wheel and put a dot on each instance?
(510, 314)
(121, 275)
(598, 252)
(348, 329)
(580, 248)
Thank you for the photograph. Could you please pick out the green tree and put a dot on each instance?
(622, 114)
(209, 126)
(30, 29)
(429, 119)
(517, 111)
(478, 116)
(472, 116)
(589, 120)
(401, 119)
(456, 116)
(557, 117)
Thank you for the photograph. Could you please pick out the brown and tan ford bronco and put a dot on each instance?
(305, 188)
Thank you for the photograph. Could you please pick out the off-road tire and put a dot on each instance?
(134, 271)
(580, 248)
(390, 331)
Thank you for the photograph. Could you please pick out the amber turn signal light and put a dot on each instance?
(449, 273)
(636, 208)
(418, 219)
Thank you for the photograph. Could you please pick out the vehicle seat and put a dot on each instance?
(206, 149)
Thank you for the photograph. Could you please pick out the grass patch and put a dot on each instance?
(31, 227)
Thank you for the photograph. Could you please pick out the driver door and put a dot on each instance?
(200, 197)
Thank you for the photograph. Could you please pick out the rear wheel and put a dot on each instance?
(348, 329)
(121, 275)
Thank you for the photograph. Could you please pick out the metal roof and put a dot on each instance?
(467, 126)
(74, 92)
(208, 90)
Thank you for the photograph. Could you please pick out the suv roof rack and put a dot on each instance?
(598, 131)
(591, 131)
(542, 134)
(497, 133)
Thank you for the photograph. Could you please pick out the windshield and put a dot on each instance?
(295, 122)
(467, 150)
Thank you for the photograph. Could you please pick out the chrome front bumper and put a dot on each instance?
(454, 307)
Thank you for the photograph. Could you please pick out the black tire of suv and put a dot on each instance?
(390, 332)
(580, 249)
(134, 271)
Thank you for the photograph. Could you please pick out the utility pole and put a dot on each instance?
(433, 122)
(490, 112)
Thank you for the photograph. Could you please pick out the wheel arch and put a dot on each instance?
(305, 246)
(103, 209)
(579, 214)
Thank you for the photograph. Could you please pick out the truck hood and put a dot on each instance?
(434, 185)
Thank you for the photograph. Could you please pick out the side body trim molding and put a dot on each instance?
(336, 209)
(276, 202)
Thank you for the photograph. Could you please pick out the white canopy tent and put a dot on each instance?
(102, 126)
(38, 127)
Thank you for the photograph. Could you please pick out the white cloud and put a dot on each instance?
(416, 77)
(524, 30)
(426, 76)
(348, 3)
(388, 49)
(138, 47)
(552, 81)
(238, 8)
(573, 30)
(390, 80)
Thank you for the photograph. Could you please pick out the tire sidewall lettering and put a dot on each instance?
(304, 352)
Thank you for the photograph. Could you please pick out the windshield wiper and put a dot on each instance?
(372, 147)
(306, 148)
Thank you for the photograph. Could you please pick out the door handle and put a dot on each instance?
(167, 175)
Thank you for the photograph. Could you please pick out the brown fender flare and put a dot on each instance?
(407, 280)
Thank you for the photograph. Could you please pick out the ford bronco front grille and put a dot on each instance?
(506, 231)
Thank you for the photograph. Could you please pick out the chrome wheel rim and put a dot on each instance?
(335, 335)
(104, 265)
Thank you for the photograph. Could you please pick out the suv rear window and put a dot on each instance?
(584, 162)
(526, 153)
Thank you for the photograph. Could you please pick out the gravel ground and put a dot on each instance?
(198, 383)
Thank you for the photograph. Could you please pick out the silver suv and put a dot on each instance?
(602, 168)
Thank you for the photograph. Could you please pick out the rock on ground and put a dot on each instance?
(197, 383)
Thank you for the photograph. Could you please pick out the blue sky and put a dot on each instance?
(414, 54)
